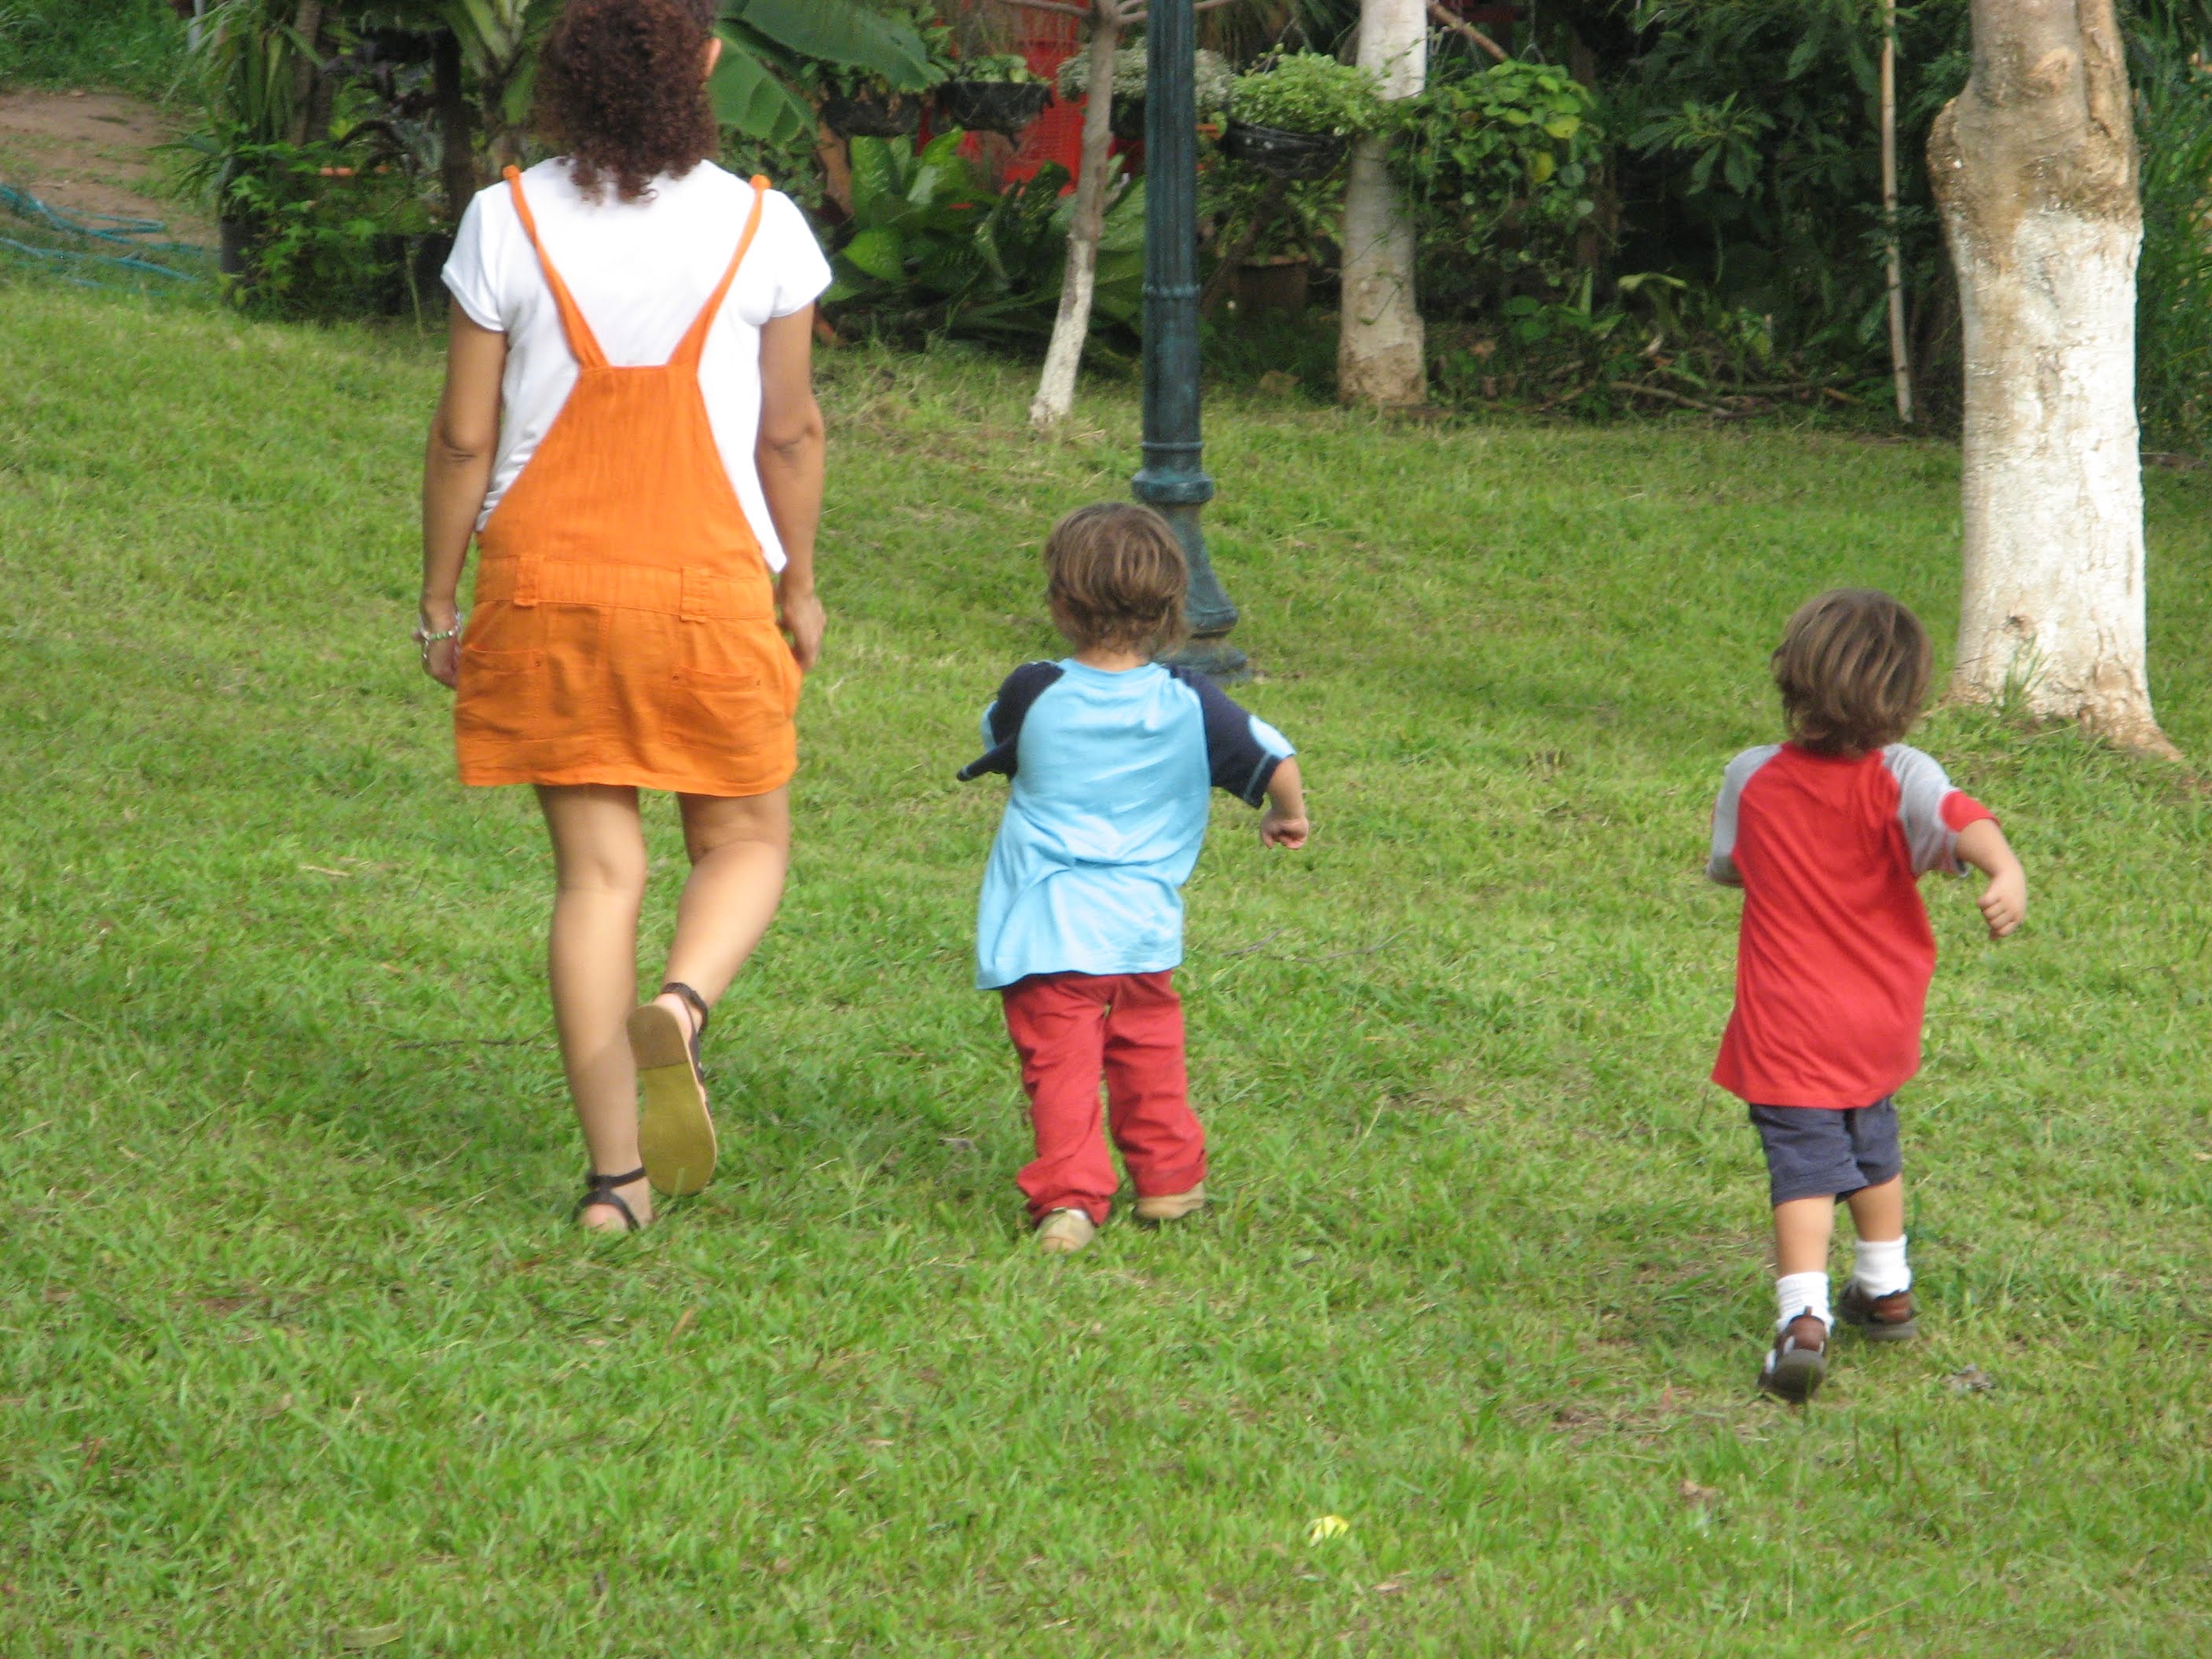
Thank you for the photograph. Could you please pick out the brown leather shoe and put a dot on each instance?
(1798, 1361)
(1880, 1318)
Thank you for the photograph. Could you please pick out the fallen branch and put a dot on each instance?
(1660, 392)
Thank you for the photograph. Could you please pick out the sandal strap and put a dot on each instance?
(677, 988)
(600, 1188)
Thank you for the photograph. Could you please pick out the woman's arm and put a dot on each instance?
(456, 473)
(790, 455)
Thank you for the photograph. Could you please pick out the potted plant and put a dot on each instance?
(856, 104)
(995, 93)
(1131, 69)
(1294, 116)
(1268, 234)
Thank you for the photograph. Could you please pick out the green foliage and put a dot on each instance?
(1752, 169)
(2173, 284)
(1212, 82)
(1297, 218)
(128, 46)
(777, 51)
(1308, 92)
(1009, 67)
(931, 247)
(1500, 166)
(327, 230)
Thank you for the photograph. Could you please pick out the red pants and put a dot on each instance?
(1069, 1029)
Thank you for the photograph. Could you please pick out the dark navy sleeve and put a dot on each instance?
(1242, 752)
(1002, 721)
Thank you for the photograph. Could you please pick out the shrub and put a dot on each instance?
(1499, 167)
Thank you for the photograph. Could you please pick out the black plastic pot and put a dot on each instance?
(1127, 120)
(1281, 154)
(871, 118)
(1001, 107)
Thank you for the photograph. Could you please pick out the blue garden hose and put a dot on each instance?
(86, 266)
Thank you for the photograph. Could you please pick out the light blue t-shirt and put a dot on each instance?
(1111, 778)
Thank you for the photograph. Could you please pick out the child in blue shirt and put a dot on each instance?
(1113, 758)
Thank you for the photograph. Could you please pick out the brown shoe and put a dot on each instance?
(1172, 1206)
(1879, 1318)
(1798, 1361)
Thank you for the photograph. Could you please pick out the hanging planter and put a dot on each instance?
(1000, 106)
(893, 117)
(1281, 154)
(1127, 120)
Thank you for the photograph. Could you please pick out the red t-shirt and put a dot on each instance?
(1835, 953)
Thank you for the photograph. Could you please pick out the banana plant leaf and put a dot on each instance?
(838, 32)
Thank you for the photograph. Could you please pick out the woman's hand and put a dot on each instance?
(441, 659)
(798, 613)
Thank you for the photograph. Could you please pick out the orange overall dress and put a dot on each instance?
(624, 625)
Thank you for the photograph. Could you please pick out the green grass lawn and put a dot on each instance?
(297, 1350)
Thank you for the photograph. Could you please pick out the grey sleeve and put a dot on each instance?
(1922, 791)
(1720, 863)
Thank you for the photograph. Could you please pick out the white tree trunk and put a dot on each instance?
(2034, 168)
(1379, 356)
(1071, 326)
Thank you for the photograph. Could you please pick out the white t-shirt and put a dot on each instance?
(640, 272)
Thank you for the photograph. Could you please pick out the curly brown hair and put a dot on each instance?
(1852, 669)
(622, 91)
(1114, 576)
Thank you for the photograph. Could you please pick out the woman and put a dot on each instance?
(628, 429)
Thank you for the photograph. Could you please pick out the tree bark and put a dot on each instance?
(457, 163)
(1055, 394)
(306, 67)
(1379, 356)
(2034, 168)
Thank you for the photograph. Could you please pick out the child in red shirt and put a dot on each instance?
(1828, 834)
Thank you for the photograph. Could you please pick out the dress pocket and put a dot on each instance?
(497, 693)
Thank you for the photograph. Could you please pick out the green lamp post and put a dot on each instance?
(1173, 479)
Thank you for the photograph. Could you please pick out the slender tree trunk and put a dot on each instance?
(1900, 363)
(1379, 355)
(307, 25)
(1055, 394)
(456, 164)
(2034, 167)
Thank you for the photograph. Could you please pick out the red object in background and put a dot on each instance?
(1049, 40)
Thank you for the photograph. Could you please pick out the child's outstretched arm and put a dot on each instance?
(2004, 901)
(1284, 824)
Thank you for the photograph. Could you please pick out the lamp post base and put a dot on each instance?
(1211, 655)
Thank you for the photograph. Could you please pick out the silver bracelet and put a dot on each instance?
(425, 638)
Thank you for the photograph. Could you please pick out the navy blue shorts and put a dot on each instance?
(1817, 1151)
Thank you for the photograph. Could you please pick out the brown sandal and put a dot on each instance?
(675, 1131)
(599, 1189)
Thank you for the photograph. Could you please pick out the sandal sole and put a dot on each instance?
(1795, 1376)
(675, 1131)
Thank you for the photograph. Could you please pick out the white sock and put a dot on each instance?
(1879, 1268)
(1800, 1293)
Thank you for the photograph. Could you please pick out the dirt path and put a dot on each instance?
(93, 152)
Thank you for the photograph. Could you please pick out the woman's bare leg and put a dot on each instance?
(598, 863)
(740, 847)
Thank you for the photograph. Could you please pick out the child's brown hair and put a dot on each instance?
(1852, 668)
(1114, 576)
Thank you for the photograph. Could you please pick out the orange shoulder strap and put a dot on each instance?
(582, 341)
(694, 344)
